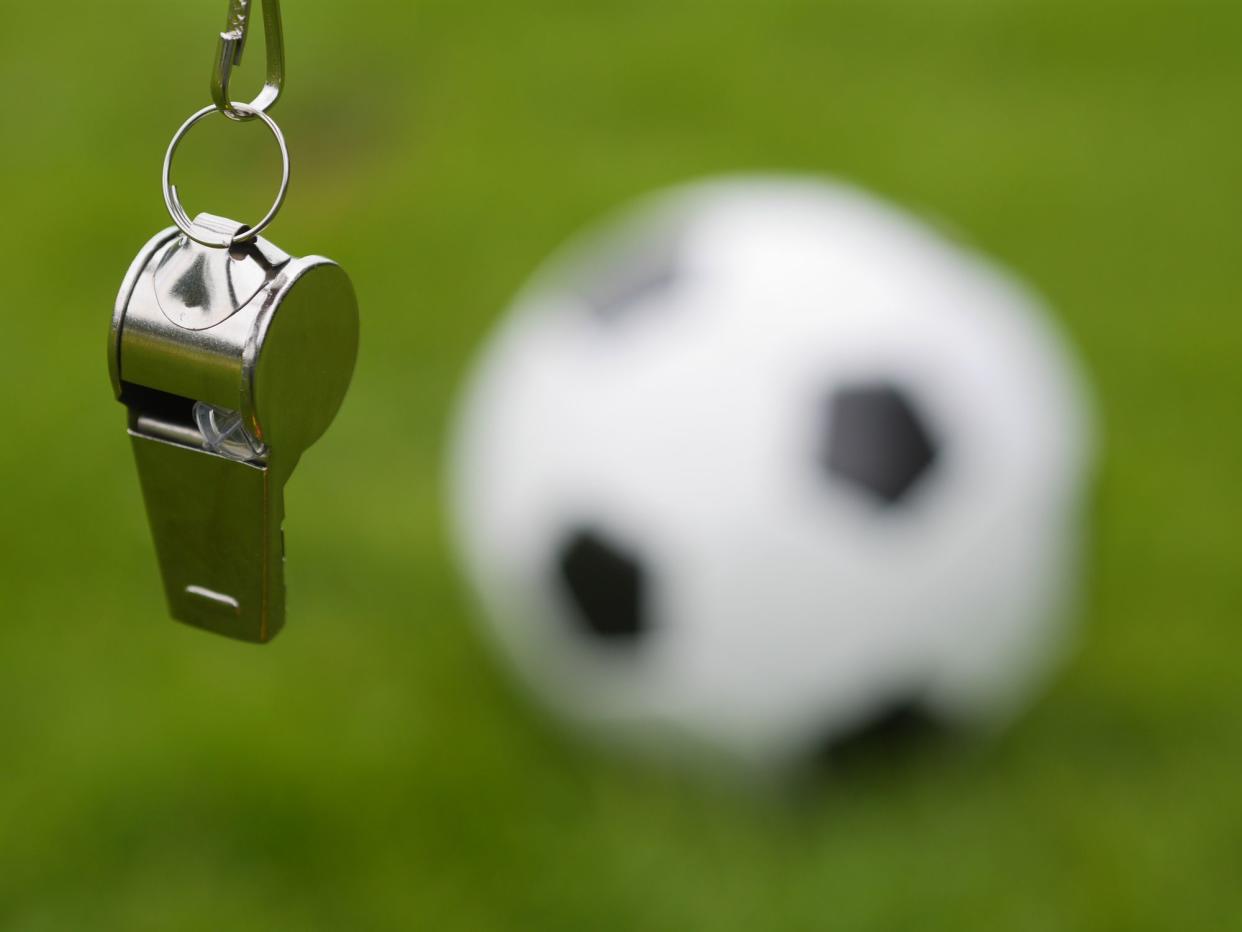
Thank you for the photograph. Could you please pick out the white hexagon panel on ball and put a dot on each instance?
(764, 462)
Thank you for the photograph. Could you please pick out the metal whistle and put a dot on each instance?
(231, 362)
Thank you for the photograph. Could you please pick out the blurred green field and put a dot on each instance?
(372, 768)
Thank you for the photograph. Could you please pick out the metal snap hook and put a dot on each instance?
(229, 56)
(173, 202)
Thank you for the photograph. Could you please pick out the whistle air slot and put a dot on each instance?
(162, 415)
(189, 423)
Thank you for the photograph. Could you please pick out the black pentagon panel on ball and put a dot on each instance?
(876, 440)
(891, 733)
(623, 279)
(605, 587)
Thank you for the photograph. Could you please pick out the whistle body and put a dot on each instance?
(231, 363)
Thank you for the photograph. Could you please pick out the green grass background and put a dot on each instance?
(372, 768)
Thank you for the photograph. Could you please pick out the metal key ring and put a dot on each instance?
(173, 202)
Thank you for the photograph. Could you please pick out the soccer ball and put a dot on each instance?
(765, 463)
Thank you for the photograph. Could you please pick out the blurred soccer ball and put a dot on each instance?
(766, 462)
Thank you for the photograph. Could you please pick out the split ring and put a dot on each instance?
(173, 202)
